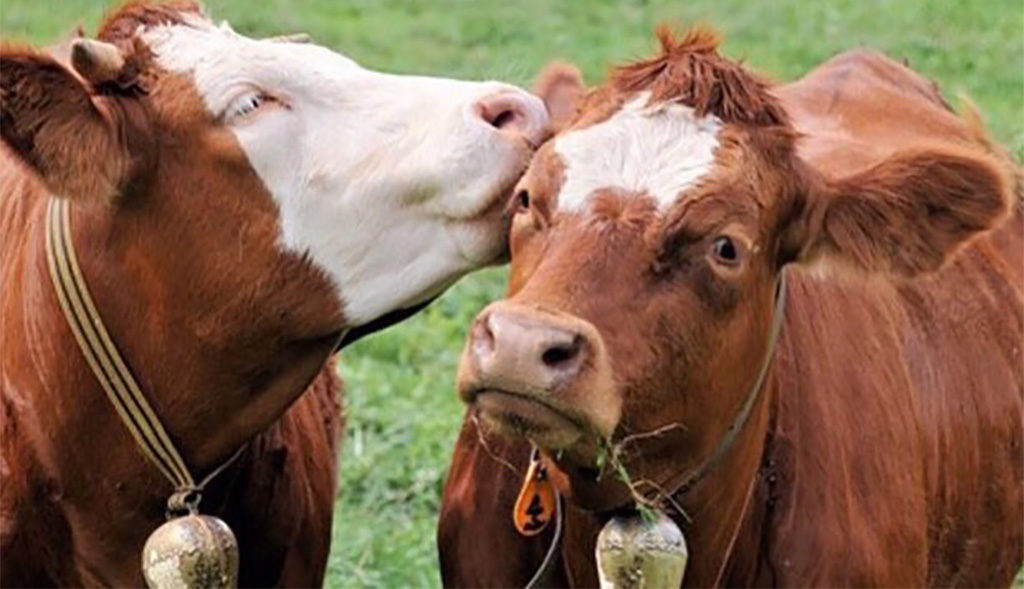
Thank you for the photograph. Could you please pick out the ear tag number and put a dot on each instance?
(535, 506)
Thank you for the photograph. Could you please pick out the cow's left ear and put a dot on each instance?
(905, 215)
(560, 86)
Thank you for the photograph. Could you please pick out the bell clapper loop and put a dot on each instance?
(184, 501)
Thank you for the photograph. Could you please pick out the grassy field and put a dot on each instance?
(403, 414)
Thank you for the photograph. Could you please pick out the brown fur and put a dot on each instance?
(48, 118)
(947, 202)
(177, 239)
(121, 25)
(886, 445)
(690, 71)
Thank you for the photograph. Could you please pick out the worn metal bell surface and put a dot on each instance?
(635, 553)
(190, 552)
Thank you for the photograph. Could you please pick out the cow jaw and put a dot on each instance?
(392, 185)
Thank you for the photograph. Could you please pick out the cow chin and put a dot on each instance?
(571, 444)
(515, 415)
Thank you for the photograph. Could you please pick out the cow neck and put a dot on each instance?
(732, 435)
(715, 458)
(734, 430)
(109, 367)
(111, 370)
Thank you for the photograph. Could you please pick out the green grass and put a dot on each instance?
(402, 411)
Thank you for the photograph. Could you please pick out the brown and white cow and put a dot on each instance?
(884, 447)
(237, 204)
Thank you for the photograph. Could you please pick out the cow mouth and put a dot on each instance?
(383, 322)
(572, 445)
(517, 415)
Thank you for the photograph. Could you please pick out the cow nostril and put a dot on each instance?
(483, 337)
(560, 355)
(515, 114)
(505, 111)
(509, 118)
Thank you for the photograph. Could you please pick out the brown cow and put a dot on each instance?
(236, 206)
(884, 446)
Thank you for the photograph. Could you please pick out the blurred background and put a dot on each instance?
(402, 411)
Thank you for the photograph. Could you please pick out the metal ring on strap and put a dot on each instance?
(109, 367)
(736, 427)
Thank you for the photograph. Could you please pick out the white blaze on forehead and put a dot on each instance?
(660, 150)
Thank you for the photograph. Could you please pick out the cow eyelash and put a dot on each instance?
(247, 104)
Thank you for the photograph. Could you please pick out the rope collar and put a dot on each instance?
(109, 367)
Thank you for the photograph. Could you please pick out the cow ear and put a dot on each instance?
(49, 119)
(905, 215)
(560, 86)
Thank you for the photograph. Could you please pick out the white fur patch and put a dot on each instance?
(382, 179)
(660, 151)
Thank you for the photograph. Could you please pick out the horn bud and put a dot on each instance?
(96, 61)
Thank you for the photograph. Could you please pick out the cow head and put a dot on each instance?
(389, 186)
(647, 240)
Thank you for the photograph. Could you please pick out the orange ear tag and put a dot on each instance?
(535, 506)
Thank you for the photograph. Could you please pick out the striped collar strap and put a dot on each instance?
(108, 365)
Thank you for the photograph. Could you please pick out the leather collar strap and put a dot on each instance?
(733, 432)
(108, 365)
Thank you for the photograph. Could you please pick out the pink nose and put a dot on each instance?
(535, 351)
(515, 112)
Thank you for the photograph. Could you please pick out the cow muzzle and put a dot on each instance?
(515, 113)
(539, 374)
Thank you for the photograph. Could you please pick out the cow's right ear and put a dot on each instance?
(907, 214)
(50, 120)
(560, 86)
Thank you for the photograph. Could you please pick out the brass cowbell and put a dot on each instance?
(189, 552)
(634, 553)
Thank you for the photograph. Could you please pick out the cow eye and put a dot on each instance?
(522, 200)
(245, 105)
(725, 250)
